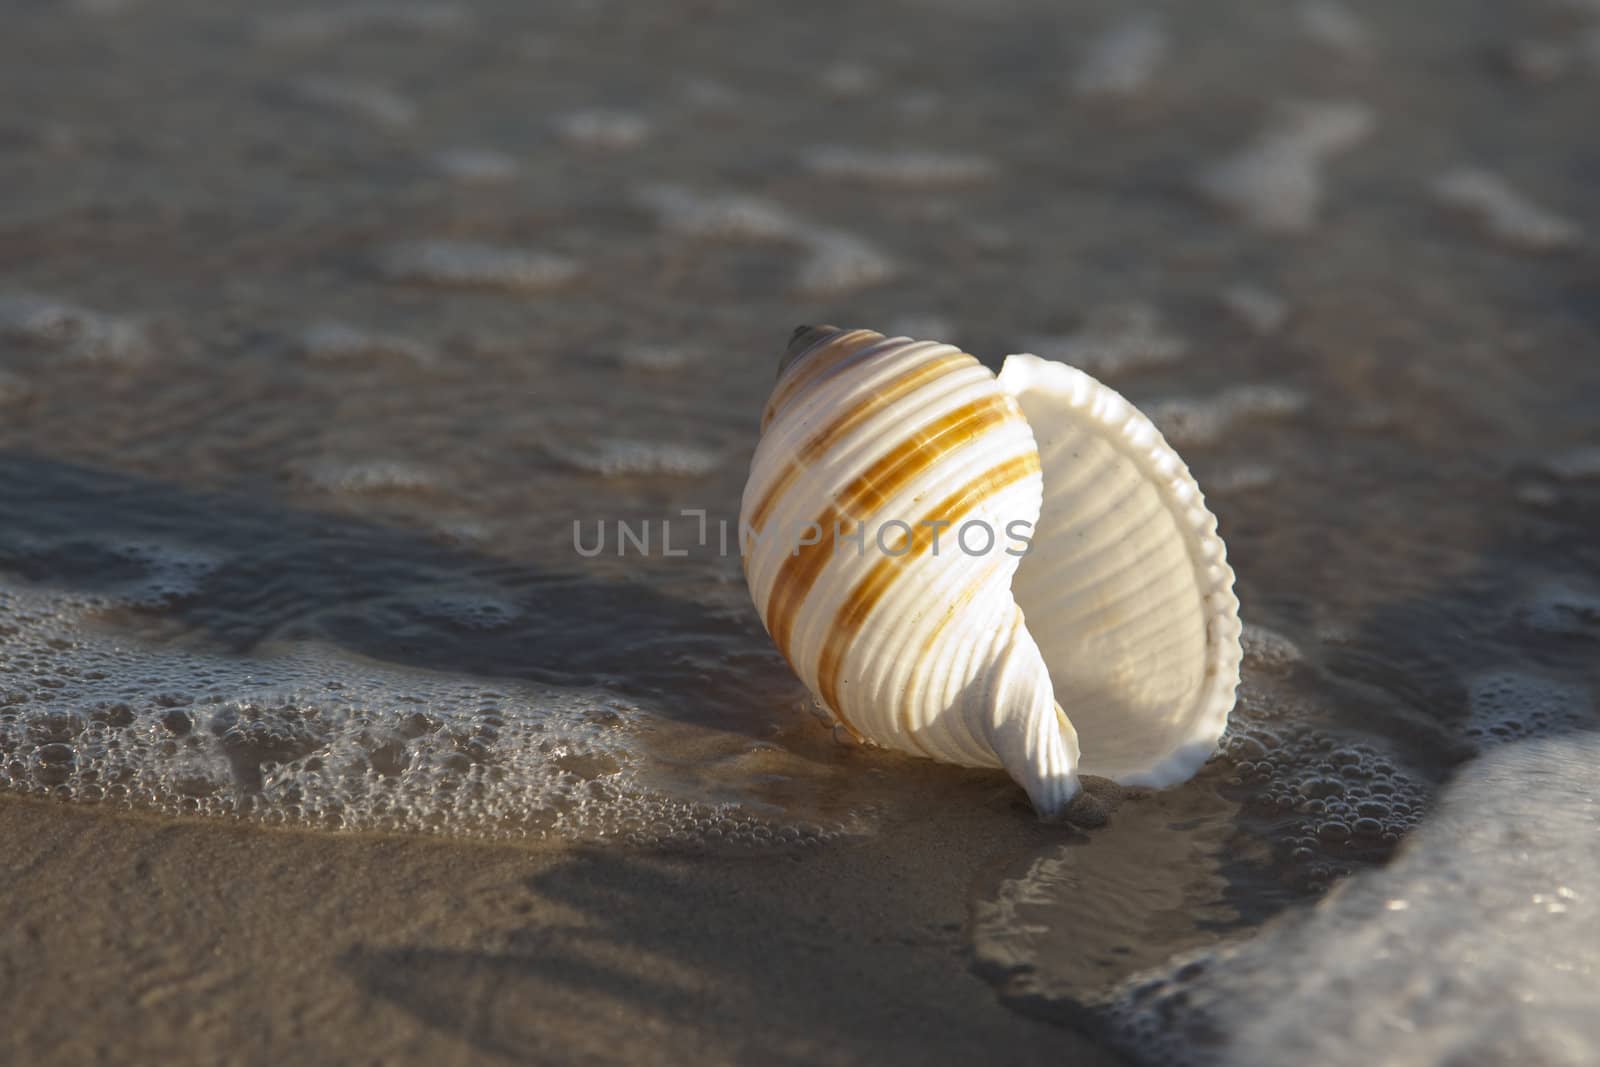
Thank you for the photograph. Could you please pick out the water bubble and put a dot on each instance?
(309, 738)
(1122, 61)
(1112, 340)
(462, 263)
(1275, 183)
(840, 263)
(899, 168)
(603, 130)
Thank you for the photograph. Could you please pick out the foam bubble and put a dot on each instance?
(1563, 610)
(847, 80)
(469, 611)
(480, 165)
(1270, 186)
(139, 573)
(1122, 61)
(717, 215)
(1201, 421)
(296, 740)
(365, 100)
(461, 263)
(1322, 128)
(1511, 705)
(1504, 214)
(1240, 478)
(840, 263)
(1060, 936)
(899, 168)
(626, 457)
(368, 476)
(602, 130)
(1464, 950)
(337, 341)
(301, 736)
(87, 335)
(1113, 340)
(172, 572)
(1267, 649)
(1275, 182)
(837, 262)
(1263, 311)
(1335, 802)
(1578, 464)
(1317, 805)
(1336, 28)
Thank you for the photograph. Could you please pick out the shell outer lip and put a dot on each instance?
(1137, 438)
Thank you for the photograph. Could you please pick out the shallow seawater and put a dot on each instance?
(315, 348)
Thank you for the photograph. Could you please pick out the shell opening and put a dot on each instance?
(1126, 587)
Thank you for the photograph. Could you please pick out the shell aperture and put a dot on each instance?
(983, 570)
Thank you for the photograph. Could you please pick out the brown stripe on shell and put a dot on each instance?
(822, 357)
(953, 608)
(852, 614)
(891, 392)
(890, 473)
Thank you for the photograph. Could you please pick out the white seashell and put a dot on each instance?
(1118, 628)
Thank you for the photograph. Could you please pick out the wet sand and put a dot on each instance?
(139, 940)
(321, 327)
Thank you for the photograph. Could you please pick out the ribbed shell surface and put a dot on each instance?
(894, 634)
(1127, 589)
(1094, 603)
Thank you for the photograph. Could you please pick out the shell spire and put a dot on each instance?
(980, 570)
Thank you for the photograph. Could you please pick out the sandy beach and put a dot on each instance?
(325, 329)
(137, 940)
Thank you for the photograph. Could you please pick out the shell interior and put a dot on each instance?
(1126, 587)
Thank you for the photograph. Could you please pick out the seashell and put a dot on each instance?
(989, 571)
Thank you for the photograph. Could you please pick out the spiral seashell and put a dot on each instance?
(989, 571)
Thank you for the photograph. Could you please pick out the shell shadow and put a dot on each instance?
(268, 573)
(669, 942)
